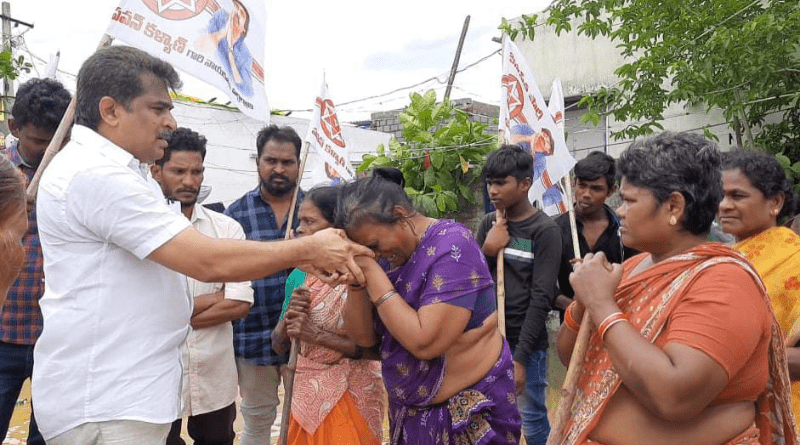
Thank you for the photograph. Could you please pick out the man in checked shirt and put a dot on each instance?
(38, 108)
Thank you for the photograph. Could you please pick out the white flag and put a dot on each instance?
(525, 120)
(556, 107)
(218, 41)
(332, 161)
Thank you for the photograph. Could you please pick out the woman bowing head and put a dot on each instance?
(447, 369)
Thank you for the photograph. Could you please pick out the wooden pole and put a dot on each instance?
(58, 138)
(501, 294)
(570, 386)
(295, 349)
(454, 68)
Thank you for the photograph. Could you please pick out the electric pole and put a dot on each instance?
(8, 86)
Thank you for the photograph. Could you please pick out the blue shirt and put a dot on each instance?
(251, 335)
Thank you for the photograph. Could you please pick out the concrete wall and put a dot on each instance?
(231, 149)
(388, 122)
(585, 65)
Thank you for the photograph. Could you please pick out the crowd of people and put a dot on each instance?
(156, 308)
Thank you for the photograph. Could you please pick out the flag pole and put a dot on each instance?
(295, 348)
(58, 137)
(570, 386)
(501, 294)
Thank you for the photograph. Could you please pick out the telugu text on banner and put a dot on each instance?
(218, 41)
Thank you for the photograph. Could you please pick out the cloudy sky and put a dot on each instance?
(366, 48)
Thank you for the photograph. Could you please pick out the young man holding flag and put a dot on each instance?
(531, 247)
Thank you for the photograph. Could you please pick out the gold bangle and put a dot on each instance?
(385, 297)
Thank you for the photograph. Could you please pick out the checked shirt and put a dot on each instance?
(251, 335)
(21, 318)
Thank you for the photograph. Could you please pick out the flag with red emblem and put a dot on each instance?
(526, 120)
(220, 42)
(329, 159)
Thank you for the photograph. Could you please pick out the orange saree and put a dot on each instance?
(650, 298)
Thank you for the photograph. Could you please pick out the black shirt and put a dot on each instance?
(608, 243)
(530, 262)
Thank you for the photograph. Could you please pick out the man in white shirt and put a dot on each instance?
(116, 308)
(209, 372)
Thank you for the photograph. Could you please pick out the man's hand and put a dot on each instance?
(334, 261)
(497, 237)
(561, 302)
(519, 377)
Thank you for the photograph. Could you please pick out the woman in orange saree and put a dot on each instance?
(338, 392)
(757, 196)
(686, 349)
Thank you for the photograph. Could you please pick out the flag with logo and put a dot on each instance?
(220, 42)
(329, 159)
(526, 120)
(556, 107)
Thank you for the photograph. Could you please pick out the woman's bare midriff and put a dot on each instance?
(470, 358)
(626, 422)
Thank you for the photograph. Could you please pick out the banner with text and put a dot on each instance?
(332, 161)
(220, 42)
(526, 120)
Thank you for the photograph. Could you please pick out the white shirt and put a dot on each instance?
(210, 381)
(114, 322)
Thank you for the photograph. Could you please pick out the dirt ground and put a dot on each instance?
(18, 430)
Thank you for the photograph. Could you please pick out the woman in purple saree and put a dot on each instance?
(447, 369)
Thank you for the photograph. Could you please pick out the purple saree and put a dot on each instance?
(447, 267)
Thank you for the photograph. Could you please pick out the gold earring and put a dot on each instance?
(774, 212)
(673, 220)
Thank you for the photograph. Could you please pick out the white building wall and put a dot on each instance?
(231, 149)
(586, 65)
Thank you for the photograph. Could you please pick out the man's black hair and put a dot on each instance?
(508, 160)
(117, 72)
(280, 134)
(183, 139)
(597, 165)
(40, 102)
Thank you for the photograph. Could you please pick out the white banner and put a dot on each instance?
(556, 107)
(332, 161)
(218, 41)
(525, 120)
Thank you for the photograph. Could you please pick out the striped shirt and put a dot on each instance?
(21, 318)
(251, 335)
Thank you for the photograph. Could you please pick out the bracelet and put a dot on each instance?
(569, 320)
(359, 353)
(609, 321)
(385, 297)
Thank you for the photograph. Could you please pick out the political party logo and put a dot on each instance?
(329, 121)
(515, 98)
(179, 9)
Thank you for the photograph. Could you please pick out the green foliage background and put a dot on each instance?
(449, 139)
(742, 56)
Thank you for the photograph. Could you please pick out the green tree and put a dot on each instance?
(741, 56)
(442, 155)
(11, 67)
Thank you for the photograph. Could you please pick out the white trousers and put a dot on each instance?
(114, 432)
